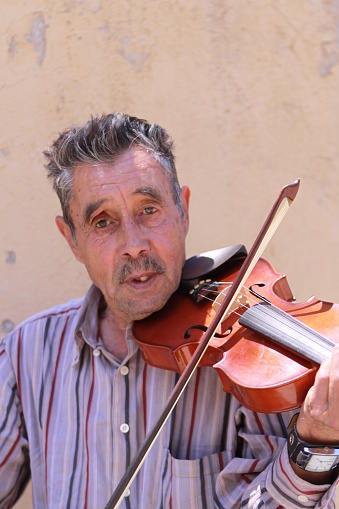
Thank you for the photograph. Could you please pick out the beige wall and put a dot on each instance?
(248, 89)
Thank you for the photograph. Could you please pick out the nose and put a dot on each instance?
(133, 239)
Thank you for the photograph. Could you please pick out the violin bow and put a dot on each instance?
(273, 220)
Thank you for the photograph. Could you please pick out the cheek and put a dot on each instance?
(174, 248)
(99, 259)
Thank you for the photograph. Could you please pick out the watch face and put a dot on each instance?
(320, 462)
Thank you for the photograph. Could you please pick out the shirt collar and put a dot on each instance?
(86, 330)
(87, 327)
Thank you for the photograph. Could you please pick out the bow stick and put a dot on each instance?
(276, 215)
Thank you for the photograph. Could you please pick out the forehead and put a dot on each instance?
(133, 169)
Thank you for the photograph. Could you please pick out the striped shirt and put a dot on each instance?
(74, 417)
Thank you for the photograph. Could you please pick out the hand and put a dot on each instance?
(318, 422)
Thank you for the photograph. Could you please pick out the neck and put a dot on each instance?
(113, 334)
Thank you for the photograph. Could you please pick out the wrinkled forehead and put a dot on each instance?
(130, 167)
(134, 173)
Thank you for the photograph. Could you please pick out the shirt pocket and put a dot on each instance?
(190, 484)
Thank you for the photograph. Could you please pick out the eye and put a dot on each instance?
(102, 223)
(149, 210)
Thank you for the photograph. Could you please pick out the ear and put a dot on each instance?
(65, 231)
(185, 199)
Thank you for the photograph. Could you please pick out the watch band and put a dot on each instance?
(311, 457)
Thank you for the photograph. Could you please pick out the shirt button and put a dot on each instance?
(124, 428)
(302, 498)
(124, 370)
(96, 352)
(127, 493)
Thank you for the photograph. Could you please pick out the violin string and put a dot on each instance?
(322, 341)
(248, 297)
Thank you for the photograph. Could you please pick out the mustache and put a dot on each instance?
(142, 264)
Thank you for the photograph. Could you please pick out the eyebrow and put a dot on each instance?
(151, 192)
(91, 208)
(145, 191)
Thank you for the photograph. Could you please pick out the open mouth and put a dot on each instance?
(137, 280)
(142, 279)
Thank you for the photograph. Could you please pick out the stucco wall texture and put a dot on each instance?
(247, 88)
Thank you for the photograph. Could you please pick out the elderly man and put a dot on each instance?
(77, 398)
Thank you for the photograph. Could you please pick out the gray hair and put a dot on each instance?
(102, 140)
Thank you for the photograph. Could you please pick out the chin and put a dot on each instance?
(147, 309)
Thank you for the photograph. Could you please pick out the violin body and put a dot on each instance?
(262, 374)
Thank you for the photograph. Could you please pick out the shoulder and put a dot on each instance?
(45, 327)
(68, 309)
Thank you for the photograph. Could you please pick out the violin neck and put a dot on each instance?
(286, 330)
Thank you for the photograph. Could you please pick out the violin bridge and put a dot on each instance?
(239, 301)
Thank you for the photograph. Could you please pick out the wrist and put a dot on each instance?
(311, 457)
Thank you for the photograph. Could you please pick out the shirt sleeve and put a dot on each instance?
(14, 455)
(262, 475)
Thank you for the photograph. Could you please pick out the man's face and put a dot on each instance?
(129, 233)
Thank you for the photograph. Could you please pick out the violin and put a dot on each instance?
(266, 350)
(265, 347)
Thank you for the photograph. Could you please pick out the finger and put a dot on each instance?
(317, 399)
(333, 390)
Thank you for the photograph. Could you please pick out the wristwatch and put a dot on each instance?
(311, 457)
